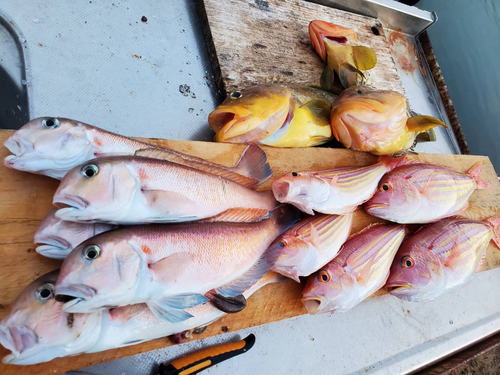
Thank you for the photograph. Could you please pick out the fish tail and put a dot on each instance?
(391, 162)
(286, 216)
(475, 173)
(494, 222)
(253, 163)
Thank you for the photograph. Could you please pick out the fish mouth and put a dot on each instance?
(371, 206)
(281, 189)
(69, 201)
(53, 251)
(18, 148)
(17, 339)
(392, 288)
(220, 119)
(312, 304)
(72, 295)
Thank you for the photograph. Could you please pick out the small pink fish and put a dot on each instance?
(311, 244)
(418, 193)
(441, 257)
(336, 191)
(360, 269)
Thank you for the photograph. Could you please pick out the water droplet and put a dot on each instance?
(191, 110)
(24, 83)
(22, 40)
(451, 322)
(36, 20)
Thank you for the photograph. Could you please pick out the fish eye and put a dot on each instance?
(45, 292)
(50, 123)
(235, 95)
(90, 170)
(385, 187)
(324, 277)
(91, 252)
(407, 262)
(295, 174)
(359, 91)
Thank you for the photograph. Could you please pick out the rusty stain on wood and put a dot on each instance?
(249, 42)
(26, 198)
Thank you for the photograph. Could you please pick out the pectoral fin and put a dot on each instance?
(170, 315)
(172, 308)
(313, 236)
(319, 109)
(422, 123)
(364, 57)
(349, 75)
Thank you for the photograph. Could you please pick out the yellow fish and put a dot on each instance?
(336, 45)
(376, 121)
(274, 115)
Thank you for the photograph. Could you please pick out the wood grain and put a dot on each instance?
(251, 40)
(26, 198)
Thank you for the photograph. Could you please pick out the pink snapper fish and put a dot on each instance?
(441, 257)
(419, 192)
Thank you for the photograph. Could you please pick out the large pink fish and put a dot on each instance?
(171, 267)
(52, 146)
(37, 329)
(360, 269)
(336, 191)
(422, 193)
(56, 238)
(441, 257)
(138, 190)
(311, 244)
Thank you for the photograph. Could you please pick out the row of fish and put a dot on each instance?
(288, 115)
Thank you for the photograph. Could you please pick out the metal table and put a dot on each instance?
(100, 63)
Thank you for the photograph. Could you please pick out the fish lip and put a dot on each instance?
(70, 201)
(52, 251)
(73, 294)
(219, 119)
(394, 287)
(312, 304)
(16, 338)
(18, 147)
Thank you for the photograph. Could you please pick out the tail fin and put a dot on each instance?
(494, 222)
(253, 164)
(475, 173)
(422, 123)
(286, 216)
(392, 162)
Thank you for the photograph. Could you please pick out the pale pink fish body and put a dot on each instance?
(137, 190)
(56, 238)
(337, 191)
(359, 270)
(421, 193)
(169, 267)
(441, 257)
(311, 244)
(38, 330)
(52, 146)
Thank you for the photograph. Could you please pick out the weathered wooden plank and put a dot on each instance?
(251, 40)
(25, 198)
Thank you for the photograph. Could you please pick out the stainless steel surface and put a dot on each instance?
(98, 62)
(391, 14)
(14, 77)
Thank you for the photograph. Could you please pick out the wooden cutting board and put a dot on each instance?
(250, 41)
(25, 199)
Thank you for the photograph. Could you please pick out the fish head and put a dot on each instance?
(416, 274)
(305, 190)
(251, 114)
(50, 146)
(327, 290)
(396, 197)
(37, 325)
(50, 236)
(104, 186)
(100, 272)
(367, 119)
(297, 255)
(321, 32)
